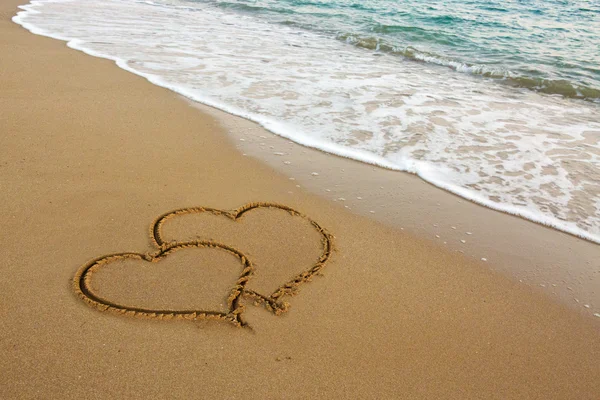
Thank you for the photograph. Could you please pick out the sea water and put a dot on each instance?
(496, 101)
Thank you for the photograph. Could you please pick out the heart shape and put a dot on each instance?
(272, 302)
(83, 287)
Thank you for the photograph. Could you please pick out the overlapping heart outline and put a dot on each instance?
(273, 302)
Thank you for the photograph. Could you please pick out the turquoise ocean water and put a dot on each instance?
(548, 45)
(495, 101)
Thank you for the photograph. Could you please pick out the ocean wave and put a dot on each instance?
(251, 8)
(563, 88)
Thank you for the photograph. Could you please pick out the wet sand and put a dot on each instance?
(92, 155)
(559, 265)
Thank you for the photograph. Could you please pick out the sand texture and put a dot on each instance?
(109, 292)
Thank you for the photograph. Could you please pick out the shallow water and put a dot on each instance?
(549, 45)
(309, 72)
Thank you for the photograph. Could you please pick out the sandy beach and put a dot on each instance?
(92, 156)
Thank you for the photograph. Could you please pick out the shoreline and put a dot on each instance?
(280, 129)
(94, 154)
(562, 264)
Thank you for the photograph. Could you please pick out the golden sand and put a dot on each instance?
(92, 154)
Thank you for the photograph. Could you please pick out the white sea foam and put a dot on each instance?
(512, 150)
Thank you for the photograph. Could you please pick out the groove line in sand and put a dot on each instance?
(272, 302)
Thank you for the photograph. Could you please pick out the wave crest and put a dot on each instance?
(548, 86)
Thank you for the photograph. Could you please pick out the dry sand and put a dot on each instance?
(91, 155)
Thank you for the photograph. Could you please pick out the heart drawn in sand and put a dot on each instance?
(272, 302)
